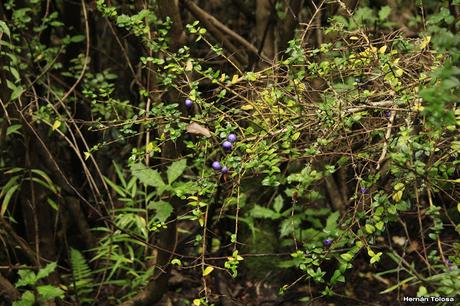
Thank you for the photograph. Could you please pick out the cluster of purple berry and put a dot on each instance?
(227, 145)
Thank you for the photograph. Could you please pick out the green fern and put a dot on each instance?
(82, 275)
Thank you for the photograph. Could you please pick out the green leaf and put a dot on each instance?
(4, 28)
(384, 12)
(370, 228)
(288, 226)
(376, 258)
(27, 299)
(7, 198)
(263, 212)
(278, 205)
(13, 129)
(346, 256)
(332, 223)
(118, 189)
(44, 272)
(49, 183)
(176, 261)
(422, 291)
(163, 210)
(176, 169)
(26, 277)
(49, 292)
(17, 92)
(147, 176)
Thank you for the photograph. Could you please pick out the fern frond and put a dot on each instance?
(82, 274)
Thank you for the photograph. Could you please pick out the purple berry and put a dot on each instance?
(363, 189)
(227, 145)
(327, 242)
(224, 169)
(216, 166)
(188, 103)
(388, 114)
(231, 137)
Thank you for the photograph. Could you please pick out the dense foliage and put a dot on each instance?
(229, 152)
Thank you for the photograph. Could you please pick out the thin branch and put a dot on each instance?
(209, 22)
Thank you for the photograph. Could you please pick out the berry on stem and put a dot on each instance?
(327, 242)
(224, 169)
(216, 165)
(188, 103)
(231, 137)
(227, 145)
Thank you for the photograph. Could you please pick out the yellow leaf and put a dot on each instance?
(370, 253)
(354, 37)
(418, 107)
(87, 155)
(397, 196)
(189, 66)
(370, 228)
(234, 78)
(149, 147)
(383, 49)
(208, 270)
(426, 40)
(222, 77)
(56, 125)
(458, 207)
(197, 302)
(247, 107)
(295, 136)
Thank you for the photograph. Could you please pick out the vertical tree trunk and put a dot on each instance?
(265, 29)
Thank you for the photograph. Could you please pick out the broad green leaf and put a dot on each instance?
(26, 278)
(49, 292)
(163, 210)
(331, 223)
(27, 299)
(44, 272)
(384, 12)
(176, 169)
(263, 212)
(288, 226)
(17, 92)
(147, 176)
